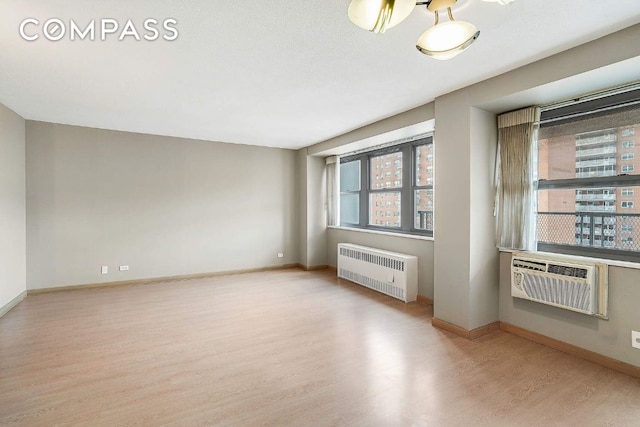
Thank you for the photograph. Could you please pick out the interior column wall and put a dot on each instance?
(12, 209)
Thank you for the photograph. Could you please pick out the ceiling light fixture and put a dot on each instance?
(447, 39)
(442, 41)
(378, 15)
(502, 2)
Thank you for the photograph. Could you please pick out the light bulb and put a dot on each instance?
(448, 39)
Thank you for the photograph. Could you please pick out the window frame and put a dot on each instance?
(407, 190)
(626, 204)
(350, 192)
(619, 180)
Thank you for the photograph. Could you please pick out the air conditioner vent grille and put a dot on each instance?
(530, 265)
(558, 291)
(568, 271)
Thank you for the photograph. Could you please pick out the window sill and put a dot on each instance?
(384, 233)
(610, 262)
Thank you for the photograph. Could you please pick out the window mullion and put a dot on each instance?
(365, 173)
(406, 197)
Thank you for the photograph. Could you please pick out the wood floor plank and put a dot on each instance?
(280, 348)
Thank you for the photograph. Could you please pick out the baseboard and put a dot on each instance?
(424, 300)
(8, 306)
(332, 267)
(312, 267)
(573, 350)
(464, 333)
(484, 330)
(160, 279)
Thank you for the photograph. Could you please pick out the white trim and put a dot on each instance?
(609, 262)
(331, 160)
(384, 233)
(388, 144)
(8, 306)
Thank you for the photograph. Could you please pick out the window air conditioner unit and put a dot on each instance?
(567, 283)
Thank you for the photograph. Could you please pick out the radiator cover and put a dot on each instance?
(390, 273)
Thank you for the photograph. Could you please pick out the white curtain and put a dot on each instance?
(515, 179)
(333, 196)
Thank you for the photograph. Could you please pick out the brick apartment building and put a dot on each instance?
(386, 173)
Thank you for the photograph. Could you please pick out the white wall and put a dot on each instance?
(12, 209)
(452, 212)
(313, 210)
(611, 337)
(164, 206)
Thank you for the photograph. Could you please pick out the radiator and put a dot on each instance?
(390, 273)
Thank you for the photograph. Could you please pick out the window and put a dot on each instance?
(350, 192)
(581, 181)
(406, 190)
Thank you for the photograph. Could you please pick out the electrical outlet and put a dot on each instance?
(124, 268)
(104, 269)
(280, 255)
(635, 339)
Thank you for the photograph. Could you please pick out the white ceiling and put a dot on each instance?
(275, 73)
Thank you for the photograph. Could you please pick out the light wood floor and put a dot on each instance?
(282, 348)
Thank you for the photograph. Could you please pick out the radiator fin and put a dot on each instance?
(372, 283)
(373, 258)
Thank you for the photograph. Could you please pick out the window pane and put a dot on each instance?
(590, 217)
(386, 171)
(385, 209)
(424, 164)
(590, 147)
(349, 209)
(350, 176)
(423, 215)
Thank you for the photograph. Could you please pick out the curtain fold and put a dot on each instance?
(515, 179)
(333, 195)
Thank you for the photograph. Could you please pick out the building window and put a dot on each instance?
(579, 186)
(408, 197)
(350, 192)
